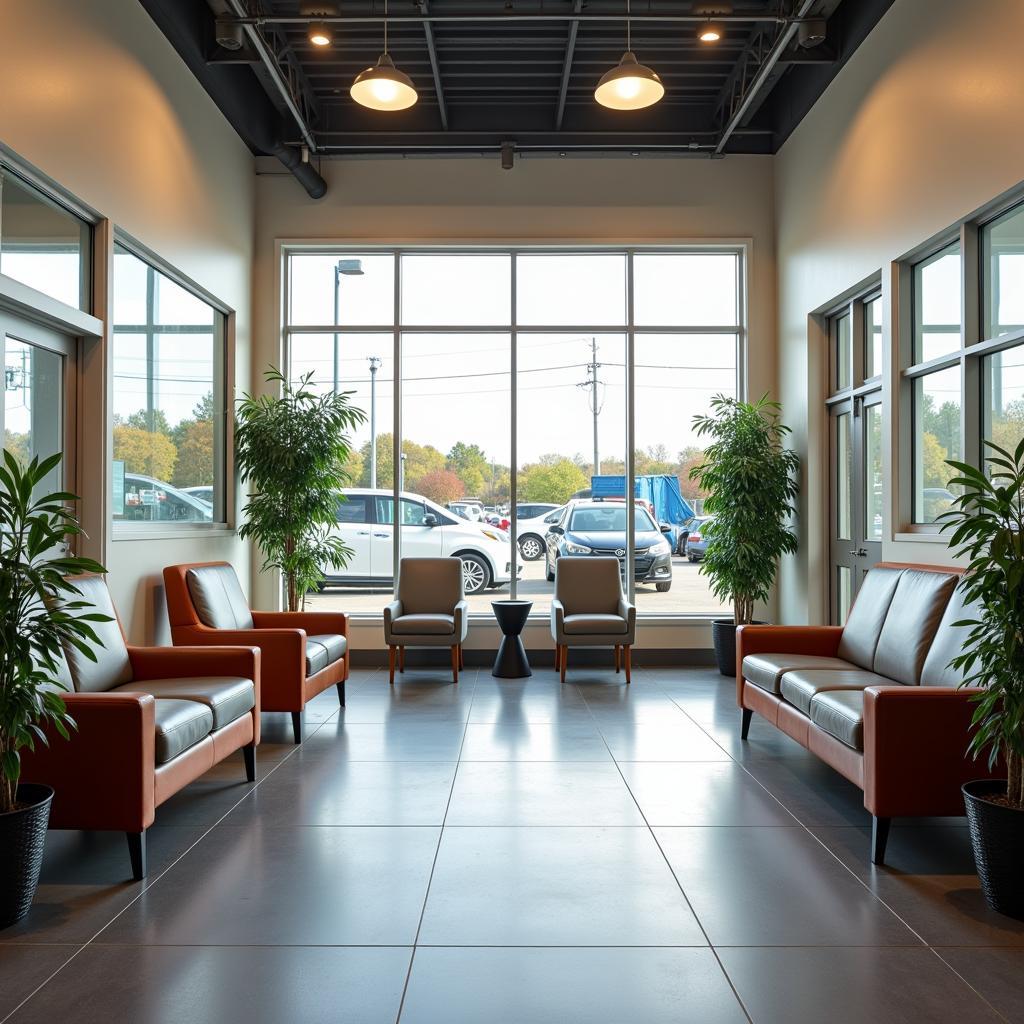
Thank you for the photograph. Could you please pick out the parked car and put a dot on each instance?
(935, 501)
(530, 532)
(697, 541)
(683, 532)
(366, 524)
(203, 493)
(535, 509)
(470, 509)
(599, 528)
(149, 500)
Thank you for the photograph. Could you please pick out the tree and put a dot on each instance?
(149, 453)
(440, 485)
(155, 420)
(195, 465)
(689, 487)
(553, 478)
(472, 465)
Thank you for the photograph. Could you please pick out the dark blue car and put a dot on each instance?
(697, 539)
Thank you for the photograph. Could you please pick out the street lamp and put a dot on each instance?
(374, 362)
(350, 268)
(401, 473)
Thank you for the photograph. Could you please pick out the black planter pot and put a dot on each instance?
(723, 636)
(997, 836)
(22, 836)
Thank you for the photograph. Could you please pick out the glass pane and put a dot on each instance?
(456, 290)
(873, 338)
(1004, 387)
(844, 352)
(873, 472)
(686, 289)
(33, 409)
(168, 399)
(572, 425)
(1002, 244)
(41, 244)
(351, 289)
(938, 311)
(844, 593)
(844, 478)
(676, 378)
(936, 438)
(571, 289)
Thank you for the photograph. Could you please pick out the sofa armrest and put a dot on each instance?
(312, 622)
(557, 619)
(176, 662)
(820, 640)
(461, 619)
(103, 776)
(915, 749)
(628, 612)
(392, 611)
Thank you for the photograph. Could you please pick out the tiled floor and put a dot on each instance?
(517, 853)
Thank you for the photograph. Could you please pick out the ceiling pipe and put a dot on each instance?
(510, 16)
(305, 173)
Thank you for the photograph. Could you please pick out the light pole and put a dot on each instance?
(401, 473)
(350, 268)
(591, 384)
(374, 362)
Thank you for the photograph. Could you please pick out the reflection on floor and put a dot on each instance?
(508, 851)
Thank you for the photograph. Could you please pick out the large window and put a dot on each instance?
(516, 379)
(169, 399)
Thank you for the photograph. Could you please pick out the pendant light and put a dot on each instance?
(384, 87)
(629, 85)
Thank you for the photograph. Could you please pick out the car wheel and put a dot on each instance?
(476, 574)
(692, 558)
(663, 588)
(531, 548)
(549, 572)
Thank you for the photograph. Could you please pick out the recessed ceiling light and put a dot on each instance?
(320, 34)
(712, 32)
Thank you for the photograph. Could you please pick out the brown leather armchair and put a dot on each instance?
(303, 652)
(150, 721)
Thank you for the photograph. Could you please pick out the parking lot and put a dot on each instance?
(690, 595)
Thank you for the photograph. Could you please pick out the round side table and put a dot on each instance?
(511, 662)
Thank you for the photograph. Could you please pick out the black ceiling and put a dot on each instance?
(490, 72)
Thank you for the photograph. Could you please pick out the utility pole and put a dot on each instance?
(374, 362)
(592, 383)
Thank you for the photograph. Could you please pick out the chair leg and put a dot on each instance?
(341, 693)
(249, 753)
(297, 726)
(563, 662)
(391, 664)
(879, 838)
(616, 659)
(137, 852)
(462, 660)
(455, 663)
(745, 723)
(629, 654)
(401, 659)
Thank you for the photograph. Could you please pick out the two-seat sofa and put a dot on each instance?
(876, 698)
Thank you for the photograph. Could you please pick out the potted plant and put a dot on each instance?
(292, 450)
(987, 524)
(750, 480)
(39, 614)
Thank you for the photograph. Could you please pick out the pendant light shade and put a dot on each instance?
(629, 85)
(384, 87)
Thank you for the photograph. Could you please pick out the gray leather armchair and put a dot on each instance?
(589, 609)
(430, 611)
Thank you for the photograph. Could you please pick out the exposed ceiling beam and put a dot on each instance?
(570, 50)
(507, 16)
(428, 32)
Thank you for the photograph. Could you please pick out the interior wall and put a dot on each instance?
(465, 200)
(96, 98)
(917, 130)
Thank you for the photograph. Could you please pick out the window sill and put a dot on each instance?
(921, 538)
(168, 531)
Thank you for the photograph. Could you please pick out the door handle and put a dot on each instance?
(859, 552)
(363, 533)
(382, 535)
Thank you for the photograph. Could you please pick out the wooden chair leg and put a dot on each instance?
(558, 654)
(462, 660)
(455, 663)
(629, 652)
(563, 662)
(616, 659)
(401, 659)
(391, 664)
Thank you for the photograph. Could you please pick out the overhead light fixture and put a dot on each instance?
(384, 87)
(812, 32)
(320, 34)
(629, 85)
(712, 32)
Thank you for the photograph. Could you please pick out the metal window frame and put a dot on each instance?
(629, 330)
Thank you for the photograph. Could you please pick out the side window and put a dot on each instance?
(385, 511)
(412, 513)
(554, 516)
(353, 510)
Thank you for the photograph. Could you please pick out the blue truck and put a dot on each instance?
(660, 492)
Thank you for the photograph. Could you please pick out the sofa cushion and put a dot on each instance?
(180, 724)
(217, 597)
(111, 667)
(910, 624)
(432, 625)
(840, 713)
(864, 623)
(799, 688)
(333, 643)
(949, 641)
(586, 625)
(316, 657)
(767, 670)
(227, 697)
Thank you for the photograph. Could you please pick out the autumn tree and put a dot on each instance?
(471, 464)
(147, 452)
(440, 485)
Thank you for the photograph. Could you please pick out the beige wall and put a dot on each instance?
(541, 200)
(95, 97)
(919, 129)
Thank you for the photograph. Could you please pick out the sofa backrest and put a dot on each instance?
(112, 666)
(217, 597)
(430, 586)
(588, 585)
(949, 641)
(864, 623)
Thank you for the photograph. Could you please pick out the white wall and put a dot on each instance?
(541, 200)
(921, 127)
(96, 98)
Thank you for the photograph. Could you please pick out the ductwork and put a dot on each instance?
(304, 172)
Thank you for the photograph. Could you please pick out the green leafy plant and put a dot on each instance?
(39, 612)
(987, 524)
(292, 450)
(750, 481)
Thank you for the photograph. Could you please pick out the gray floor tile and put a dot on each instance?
(435, 741)
(541, 793)
(851, 986)
(568, 986)
(25, 968)
(679, 740)
(775, 887)
(534, 741)
(223, 985)
(810, 789)
(288, 886)
(554, 886)
(997, 974)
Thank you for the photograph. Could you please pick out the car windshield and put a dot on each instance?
(608, 519)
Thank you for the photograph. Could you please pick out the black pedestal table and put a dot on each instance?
(511, 662)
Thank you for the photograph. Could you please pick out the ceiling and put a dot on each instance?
(519, 72)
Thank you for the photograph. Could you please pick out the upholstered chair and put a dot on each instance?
(430, 611)
(303, 652)
(150, 720)
(589, 609)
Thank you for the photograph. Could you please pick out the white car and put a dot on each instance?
(366, 524)
(530, 533)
